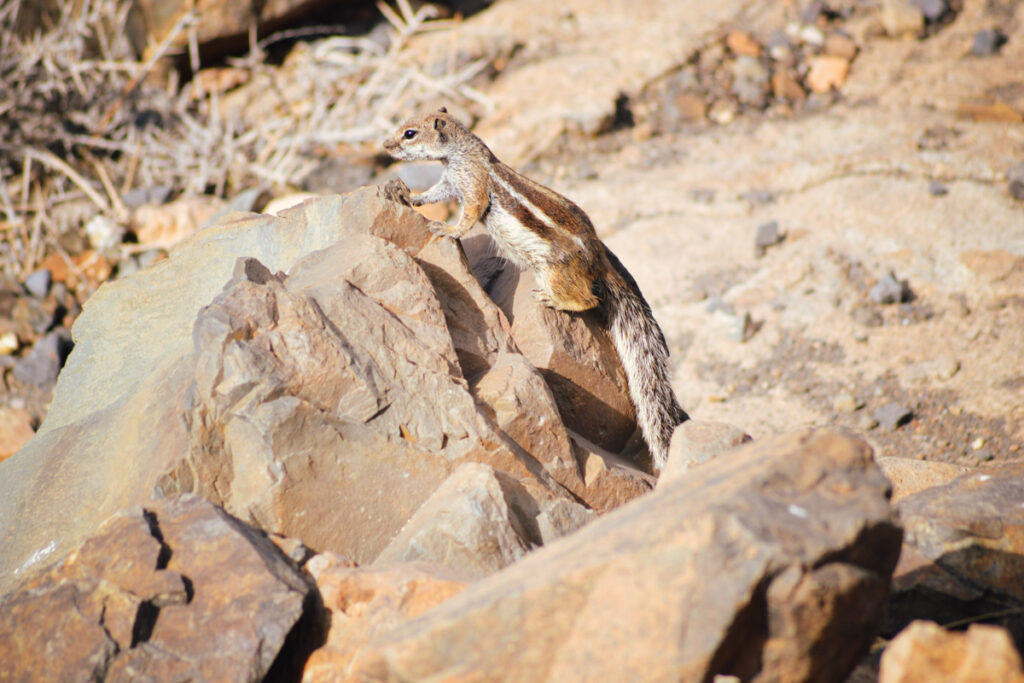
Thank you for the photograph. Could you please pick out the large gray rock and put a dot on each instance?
(177, 590)
(114, 426)
(768, 563)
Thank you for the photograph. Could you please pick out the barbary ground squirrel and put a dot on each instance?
(537, 228)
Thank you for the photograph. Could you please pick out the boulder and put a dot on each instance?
(909, 476)
(329, 405)
(772, 562)
(365, 601)
(924, 651)
(133, 360)
(963, 554)
(176, 589)
(695, 442)
(575, 354)
(479, 521)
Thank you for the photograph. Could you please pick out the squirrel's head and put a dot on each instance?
(424, 137)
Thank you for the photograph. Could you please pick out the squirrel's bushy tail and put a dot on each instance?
(644, 356)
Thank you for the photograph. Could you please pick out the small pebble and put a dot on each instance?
(745, 328)
(893, 415)
(987, 42)
(8, 343)
(844, 403)
(1016, 177)
(933, 10)
(38, 283)
(978, 443)
(890, 290)
(867, 423)
(767, 235)
(937, 189)
(103, 233)
(900, 18)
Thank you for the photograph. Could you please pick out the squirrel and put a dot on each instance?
(536, 228)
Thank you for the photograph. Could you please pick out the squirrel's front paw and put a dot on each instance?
(395, 190)
(439, 228)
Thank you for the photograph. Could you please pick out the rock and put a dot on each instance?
(942, 368)
(43, 363)
(524, 408)
(909, 476)
(150, 194)
(827, 73)
(767, 235)
(576, 357)
(924, 651)
(901, 18)
(786, 87)
(317, 392)
(287, 201)
(750, 81)
(38, 283)
(1015, 177)
(933, 10)
(15, 430)
(218, 23)
(892, 415)
(987, 42)
(890, 290)
(340, 174)
(176, 589)
(840, 45)
(742, 43)
(988, 109)
(844, 402)
(479, 521)
(616, 600)
(103, 233)
(9, 343)
(937, 189)
(366, 601)
(609, 480)
(129, 433)
(164, 225)
(745, 328)
(973, 527)
(992, 266)
(695, 442)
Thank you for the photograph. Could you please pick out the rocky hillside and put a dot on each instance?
(318, 443)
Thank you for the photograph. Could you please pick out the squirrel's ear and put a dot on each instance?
(443, 110)
(439, 125)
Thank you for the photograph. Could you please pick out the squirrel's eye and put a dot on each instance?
(409, 134)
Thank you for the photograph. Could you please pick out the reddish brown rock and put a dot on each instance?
(924, 651)
(366, 601)
(179, 589)
(657, 589)
(609, 480)
(479, 521)
(695, 442)
(962, 555)
(910, 476)
(576, 356)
